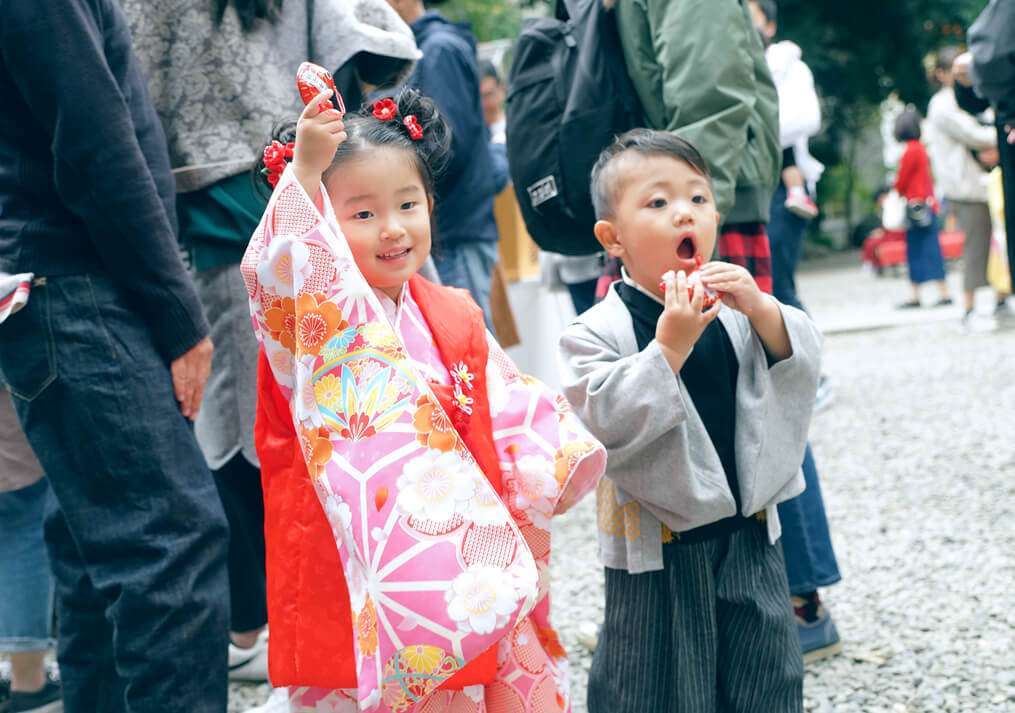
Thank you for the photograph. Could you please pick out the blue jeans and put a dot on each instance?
(806, 543)
(26, 585)
(470, 267)
(136, 535)
(786, 238)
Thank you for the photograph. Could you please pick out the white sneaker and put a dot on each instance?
(588, 635)
(249, 664)
(973, 323)
(278, 702)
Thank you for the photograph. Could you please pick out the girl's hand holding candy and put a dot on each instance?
(318, 135)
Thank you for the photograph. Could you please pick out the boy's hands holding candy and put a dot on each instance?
(736, 285)
(319, 132)
(740, 292)
(682, 321)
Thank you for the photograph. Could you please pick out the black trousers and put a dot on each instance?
(712, 632)
(239, 486)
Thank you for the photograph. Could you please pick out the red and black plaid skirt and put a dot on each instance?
(746, 244)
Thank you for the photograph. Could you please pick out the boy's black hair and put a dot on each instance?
(366, 132)
(769, 9)
(645, 142)
(488, 70)
(907, 125)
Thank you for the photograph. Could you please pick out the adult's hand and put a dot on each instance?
(1010, 130)
(190, 372)
(961, 69)
(988, 158)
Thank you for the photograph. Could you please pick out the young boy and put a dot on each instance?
(704, 415)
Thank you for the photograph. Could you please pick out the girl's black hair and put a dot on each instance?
(367, 132)
(907, 125)
(249, 11)
(646, 142)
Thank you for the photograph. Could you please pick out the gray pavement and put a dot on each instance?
(917, 460)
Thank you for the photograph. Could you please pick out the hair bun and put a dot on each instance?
(435, 146)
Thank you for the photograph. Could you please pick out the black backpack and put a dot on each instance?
(569, 95)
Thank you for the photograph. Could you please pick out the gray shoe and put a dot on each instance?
(819, 639)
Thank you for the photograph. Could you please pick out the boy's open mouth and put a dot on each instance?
(394, 254)
(686, 250)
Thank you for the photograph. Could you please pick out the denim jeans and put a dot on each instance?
(470, 267)
(806, 543)
(137, 538)
(26, 585)
(786, 238)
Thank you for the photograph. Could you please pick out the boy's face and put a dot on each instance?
(664, 217)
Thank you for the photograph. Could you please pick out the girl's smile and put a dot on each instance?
(384, 212)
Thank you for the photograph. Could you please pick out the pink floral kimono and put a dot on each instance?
(438, 480)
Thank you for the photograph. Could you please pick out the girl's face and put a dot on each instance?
(384, 212)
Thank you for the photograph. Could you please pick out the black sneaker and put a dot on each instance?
(46, 700)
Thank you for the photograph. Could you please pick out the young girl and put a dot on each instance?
(915, 184)
(437, 464)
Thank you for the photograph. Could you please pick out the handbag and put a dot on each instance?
(919, 214)
(893, 212)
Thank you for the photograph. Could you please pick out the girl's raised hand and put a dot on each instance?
(319, 131)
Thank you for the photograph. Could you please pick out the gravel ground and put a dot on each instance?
(917, 462)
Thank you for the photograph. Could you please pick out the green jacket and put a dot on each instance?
(699, 69)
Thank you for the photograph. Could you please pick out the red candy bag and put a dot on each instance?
(312, 79)
(709, 296)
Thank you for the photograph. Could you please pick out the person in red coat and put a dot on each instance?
(915, 183)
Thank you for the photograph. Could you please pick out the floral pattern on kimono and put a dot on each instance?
(439, 567)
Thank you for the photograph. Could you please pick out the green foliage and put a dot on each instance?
(862, 51)
(490, 19)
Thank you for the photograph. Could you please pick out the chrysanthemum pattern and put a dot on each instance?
(438, 567)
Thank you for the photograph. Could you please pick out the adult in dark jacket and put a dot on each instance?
(466, 247)
(989, 69)
(111, 338)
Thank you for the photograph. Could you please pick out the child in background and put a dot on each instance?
(915, 183)
(704, 415)
(383, 398)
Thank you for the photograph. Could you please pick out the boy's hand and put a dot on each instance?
(318, 134)
(737, 286)
(741, 292)
(682, 321)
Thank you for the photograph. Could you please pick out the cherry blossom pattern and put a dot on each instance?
(482, 599)
(534, 487)
(435, 485)
(285, 266)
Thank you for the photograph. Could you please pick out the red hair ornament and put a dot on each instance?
(385, 110)
(276, 157)
(413, 126)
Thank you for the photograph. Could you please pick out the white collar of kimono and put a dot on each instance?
(631, 283)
